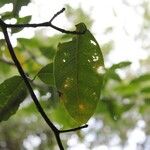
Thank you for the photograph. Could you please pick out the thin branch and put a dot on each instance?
(74, 129)
(22, 73)
(57, 14)
(45, 24)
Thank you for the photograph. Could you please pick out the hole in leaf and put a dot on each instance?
(95, 58)
(92, 42)
(64, 60)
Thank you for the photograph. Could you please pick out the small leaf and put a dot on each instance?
(113, 107)
(48, 52)
(12, 93)
(127, 90)
(110, 74)
(141, 79)
(46, 74)
(30, 43)
(146, 90)
(6, 15)
(110, 106)
(122, 64)
(17, 4)
(3, 2)
(78, 73)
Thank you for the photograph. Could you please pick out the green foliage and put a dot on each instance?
(46, 74)
(120, 98)
(3, 2)
(17, 4)
(138, 85)
(120, 65)
(111, 72)
(61, 116)
(12, 93)
(76, 74)
(40, 46)
(109, 106)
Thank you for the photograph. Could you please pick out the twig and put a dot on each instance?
(55, 15)
(45, 24)
(74, 129)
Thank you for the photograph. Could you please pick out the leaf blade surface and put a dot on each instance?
(78, 66)
(12, 93)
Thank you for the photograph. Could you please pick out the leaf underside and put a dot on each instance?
(12, 93)
(77, 71)
(46, 74)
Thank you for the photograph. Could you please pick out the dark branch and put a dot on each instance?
(23, 75)
(45, 24)
(4, 27)
(74, 129)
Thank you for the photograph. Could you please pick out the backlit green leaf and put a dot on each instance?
(46, 74)
(12, 93)
(78, 69)
(61, 116)
(17, 4)
(141, 79)
(48, 52)
(122, 64)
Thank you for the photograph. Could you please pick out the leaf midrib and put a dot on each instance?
(77, 75)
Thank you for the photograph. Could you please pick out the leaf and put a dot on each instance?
(141, 79)
(17, 4)
(61, 116)
(30, 43)
(122, 64)
(46, 74)
(111, 72)
(111, 75)
(6, 15)
(48, 52)
(78, 75)
(146, 90)
(127, 90)
(3, 2)
(12, 93)
(111, 106)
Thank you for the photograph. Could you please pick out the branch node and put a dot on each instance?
(2, 23)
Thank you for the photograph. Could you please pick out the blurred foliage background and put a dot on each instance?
(125, 102)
